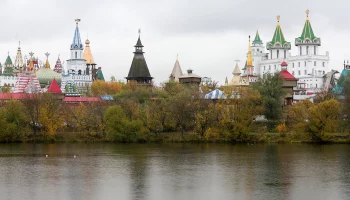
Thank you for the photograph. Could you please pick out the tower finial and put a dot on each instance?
(278, 18)
(177, 57)
(77, 20)
(139, 32)
(47, 55)
(307, 14)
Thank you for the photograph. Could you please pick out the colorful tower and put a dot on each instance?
(78, 74)
(249, 75)
(19, 64)
(177, 72)
(8, 66)
(46, 75)
(58, 66)
(139, 70)
(278, 47)
(307, 43)
(90, 63)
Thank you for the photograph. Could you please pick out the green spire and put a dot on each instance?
(257, 39)
(100, 75)
(278, 38)
(8, 60)
(307, 33)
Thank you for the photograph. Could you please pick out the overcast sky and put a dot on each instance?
(207, 35)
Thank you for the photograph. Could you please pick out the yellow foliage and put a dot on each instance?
(99, 88)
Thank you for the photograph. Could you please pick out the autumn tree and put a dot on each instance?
(299, 115)
(236, 115)
(99, 88)
(50, 116)
(324, 118)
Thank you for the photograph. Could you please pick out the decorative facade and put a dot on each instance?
(78, 74)
(309, 66)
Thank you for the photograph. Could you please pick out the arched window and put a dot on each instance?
(301, 51)
(278, 53)
(314, 50)
(76, 55)
(285, 53)
(307, 50)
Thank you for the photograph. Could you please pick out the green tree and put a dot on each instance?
(299, 115)
(270, 88)
(12, 121)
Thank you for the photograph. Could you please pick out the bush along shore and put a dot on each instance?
(179, 113)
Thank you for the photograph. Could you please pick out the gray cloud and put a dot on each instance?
(208, 35)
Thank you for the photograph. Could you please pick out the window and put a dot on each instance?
(305, 63)
(310, 85)
(257, 50)
(314, 50)
(275, 67)
(323, 64)
(271, 53)
(314, 63)
(307, 50)
(316, 85)
(76, 55)
(285, 53)
(269, 67)
(298, 64)
(278, 53)
(298, 72)
(264, 68)
(293, 72)
(323, 72)
(301, 52)
(305, 72)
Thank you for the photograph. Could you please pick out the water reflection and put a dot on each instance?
(174, 171)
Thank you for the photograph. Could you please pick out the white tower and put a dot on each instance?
(258, 51)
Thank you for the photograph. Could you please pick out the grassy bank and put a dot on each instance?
(270, 137)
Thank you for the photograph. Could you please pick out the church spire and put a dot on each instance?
(250, 58)
(87, 54)
(278, 40)
(308, 33)
(76, 44)
(257, 39)
(139, 70)
(177, 72)
(19, 64)
(47, 64)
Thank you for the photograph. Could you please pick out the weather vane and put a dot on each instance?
(307, 12)
(278, 18)
(139, 31)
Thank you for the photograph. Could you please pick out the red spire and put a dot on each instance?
(54, 88)
(284, 64)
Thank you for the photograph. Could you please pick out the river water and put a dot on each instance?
(174, 171)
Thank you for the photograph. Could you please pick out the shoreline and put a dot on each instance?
(251, 138)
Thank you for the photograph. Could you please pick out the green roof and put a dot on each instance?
(278, 37)
(100, 75)
(8, 61)
(307, 33)
(257, 39)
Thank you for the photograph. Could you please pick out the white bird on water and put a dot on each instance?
(47, 156)
(74, 156)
